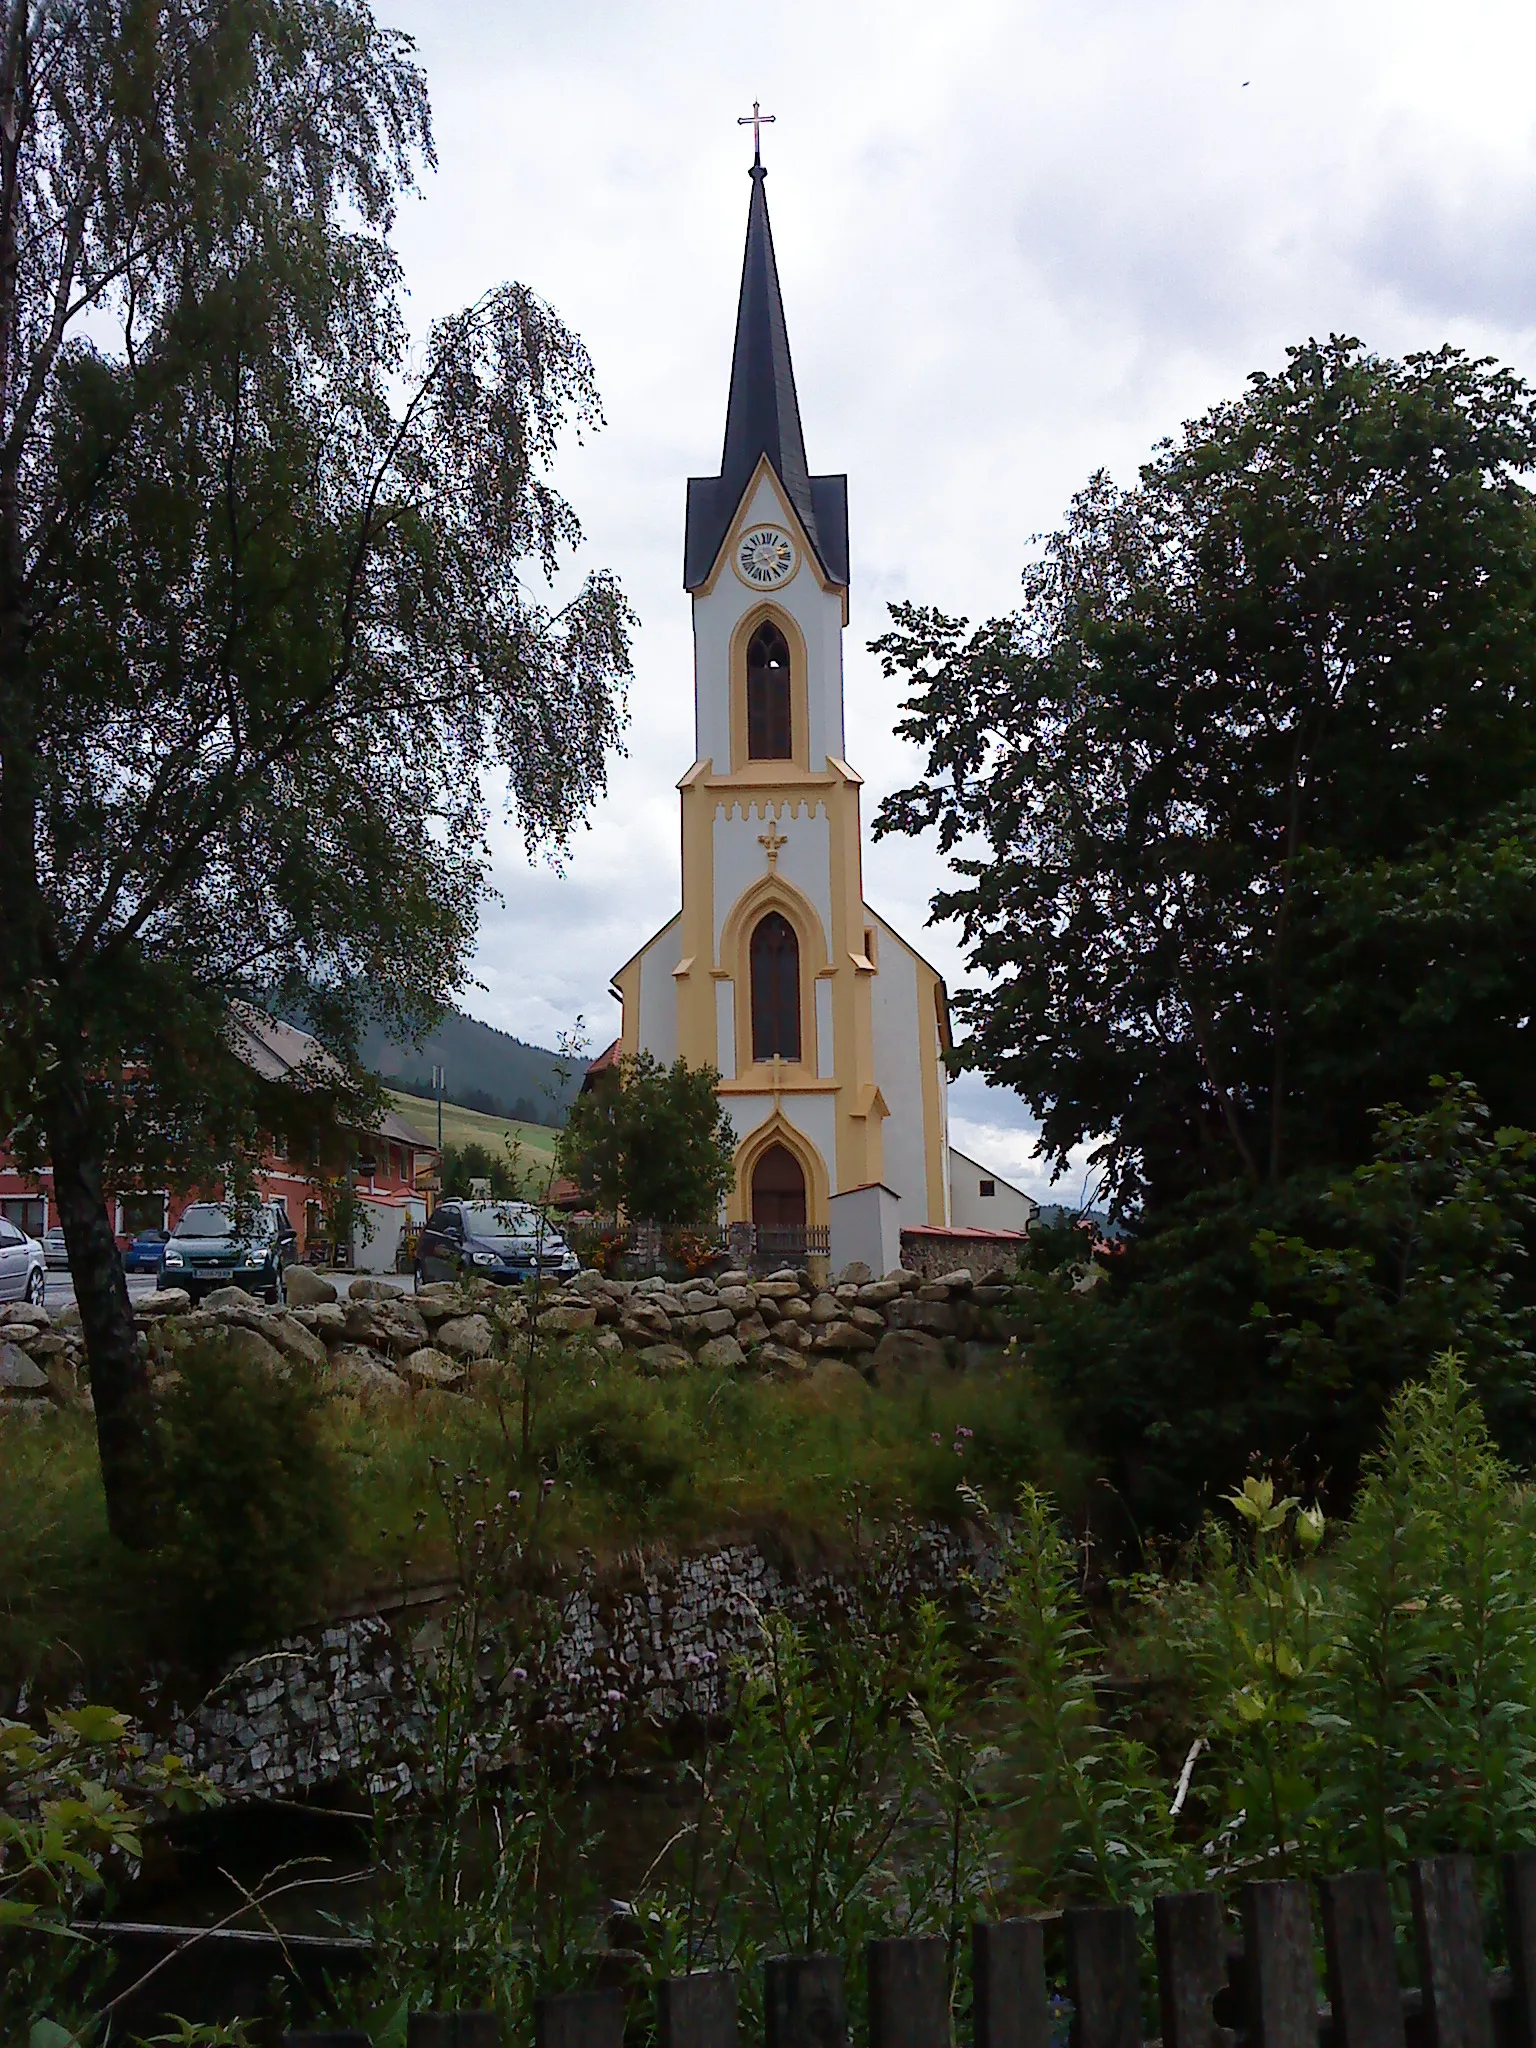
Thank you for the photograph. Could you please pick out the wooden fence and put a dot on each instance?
(1261, 1992)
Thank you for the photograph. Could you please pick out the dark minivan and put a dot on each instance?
(502, 1241)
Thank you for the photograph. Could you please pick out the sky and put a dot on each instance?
(1017, 243)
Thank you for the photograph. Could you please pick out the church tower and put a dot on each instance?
(828, 1030)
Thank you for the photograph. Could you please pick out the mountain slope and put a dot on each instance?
(485, 1070)
(535, 1143)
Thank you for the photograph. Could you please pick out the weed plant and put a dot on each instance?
(847, 1803)
(258, 1508)
(1340, 1699)
(1325, 1698)
(482, 1898)
(255, 1504)
(628, 1459)
(76, 1797)
(843, 1803)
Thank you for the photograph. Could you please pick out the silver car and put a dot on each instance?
(23, 1274)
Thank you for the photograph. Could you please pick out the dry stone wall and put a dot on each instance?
(381, 1343)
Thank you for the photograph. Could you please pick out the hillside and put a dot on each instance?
(535, 1142)
(486, 1070)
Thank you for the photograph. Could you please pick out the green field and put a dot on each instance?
(535, 1142)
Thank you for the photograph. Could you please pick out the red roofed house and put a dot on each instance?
(391, 1167)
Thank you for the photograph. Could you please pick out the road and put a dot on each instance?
(61, 1287)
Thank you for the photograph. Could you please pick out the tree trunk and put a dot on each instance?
(128, 1446)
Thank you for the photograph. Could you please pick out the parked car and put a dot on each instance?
(23, 1269)
(55, 1250)
(218, 1246)
(143, 1255)
(507, 1242)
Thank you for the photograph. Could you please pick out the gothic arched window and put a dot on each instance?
(775, 989)
(769, 736)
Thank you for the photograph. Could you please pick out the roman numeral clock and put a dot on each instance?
(765, 557)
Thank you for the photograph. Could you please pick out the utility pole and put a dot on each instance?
(437, 1083)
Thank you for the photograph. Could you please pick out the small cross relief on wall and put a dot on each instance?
(772, 839)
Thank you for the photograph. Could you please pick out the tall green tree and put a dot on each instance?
(651, 1140)
(1241, 800)
(270, 622)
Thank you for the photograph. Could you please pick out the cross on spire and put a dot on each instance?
(756, 122)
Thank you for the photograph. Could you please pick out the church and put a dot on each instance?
(828, 1029)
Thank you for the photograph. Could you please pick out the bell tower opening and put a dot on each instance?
(770, 735)
(778, 1191)
(775, 967)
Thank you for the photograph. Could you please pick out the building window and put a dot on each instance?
(988, 1187)
(775, 989)
(768, 721)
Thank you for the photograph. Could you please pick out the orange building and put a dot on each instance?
(391, 1168)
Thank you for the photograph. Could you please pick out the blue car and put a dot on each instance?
(145, 1252)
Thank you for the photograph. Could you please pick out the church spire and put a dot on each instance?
(763, 418)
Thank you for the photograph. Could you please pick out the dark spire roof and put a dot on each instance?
(763, 418)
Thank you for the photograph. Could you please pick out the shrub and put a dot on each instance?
(1281, 1323)
(624, 1437)
(255, 1499)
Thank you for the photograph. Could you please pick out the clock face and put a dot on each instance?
(765, 556)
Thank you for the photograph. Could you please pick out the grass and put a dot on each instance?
(535, 1142)
(674, 1462)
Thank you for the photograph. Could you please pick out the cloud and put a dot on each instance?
(1463, 257)
(995, 1126)
(1018, 239)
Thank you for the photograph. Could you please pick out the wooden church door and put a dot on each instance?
(778, 1191)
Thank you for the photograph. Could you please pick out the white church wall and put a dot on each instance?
(746, 1112)
(816, 1117)
(826, 1066)
(819, 615)
(658, 993)
(712, 629)
(725, 1029)
(805, 858)
(943, 1079)
(826, 661)
(739, 860)
(899, 1071)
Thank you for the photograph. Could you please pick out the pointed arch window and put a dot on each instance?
(775, 962)
(769, 730)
